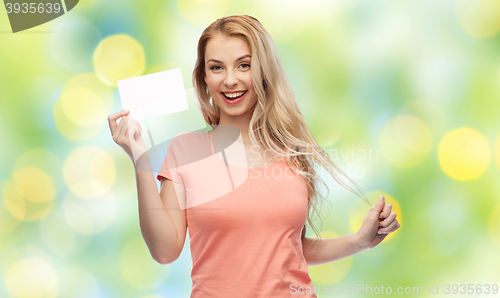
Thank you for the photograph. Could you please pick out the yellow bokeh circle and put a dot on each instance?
(8, 222)
(89, 172)
(69, 129)
(30, 194)
(202, 12)
(478, 18)
(359, 210)
(333, 272)
(81, 110)
(32, 278)
(34, 184)
(405, 141)
(83, 107)
(44, 160)
(118, 57)
(464, 154)
(138, 267)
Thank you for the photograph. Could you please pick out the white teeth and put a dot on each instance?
(233, 95)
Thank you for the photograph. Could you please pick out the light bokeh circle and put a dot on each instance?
(464, 154)
(88, 216)
(81, 110)
(32, 278)
(83, 107)
(431, 113)
(44, 160)
(89, 172)
(8, 222)
(75, 281)
(478, 18)
(69, 129)
(118, 57)
(405, 141)
(29, 195)
(34, 184)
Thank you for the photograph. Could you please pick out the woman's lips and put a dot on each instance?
(235, 100)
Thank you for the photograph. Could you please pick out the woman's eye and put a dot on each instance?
(214, 67)
(245, 64)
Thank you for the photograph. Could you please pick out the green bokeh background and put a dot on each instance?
(389, 77)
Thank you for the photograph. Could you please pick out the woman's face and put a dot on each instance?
(228, 75)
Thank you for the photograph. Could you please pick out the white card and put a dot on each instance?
(154, 94)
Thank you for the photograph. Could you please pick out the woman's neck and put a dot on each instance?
(241, 122)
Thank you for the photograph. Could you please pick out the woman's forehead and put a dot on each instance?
(226, 49)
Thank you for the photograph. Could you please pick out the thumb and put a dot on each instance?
(379, 205)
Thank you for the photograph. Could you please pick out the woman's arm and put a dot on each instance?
(321, 251)
(163, 223)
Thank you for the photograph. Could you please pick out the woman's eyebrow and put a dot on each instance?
(242, 57)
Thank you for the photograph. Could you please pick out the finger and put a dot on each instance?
(389, 228)
(384, 223)
(386, 211)
(113, 117)
(134, 130)
(122, 129)
(136, 122)
(379, 205)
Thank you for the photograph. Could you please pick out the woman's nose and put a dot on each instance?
(231, 79)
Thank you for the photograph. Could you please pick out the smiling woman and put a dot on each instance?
(228, 76)
(249, 241)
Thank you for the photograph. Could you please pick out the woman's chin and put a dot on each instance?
(236, 111)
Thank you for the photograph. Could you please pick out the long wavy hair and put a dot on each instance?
(277, 123)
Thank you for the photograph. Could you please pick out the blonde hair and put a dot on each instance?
(276, 122)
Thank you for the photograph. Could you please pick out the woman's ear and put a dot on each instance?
(205, 78)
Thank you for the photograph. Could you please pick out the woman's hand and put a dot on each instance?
(378, 223)
(127, 134)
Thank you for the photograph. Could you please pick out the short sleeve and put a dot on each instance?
(169, 168)
(170, 174)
